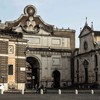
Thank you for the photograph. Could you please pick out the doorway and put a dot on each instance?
(56, 79)
(86, 75)
(85, 63)
(32, 73)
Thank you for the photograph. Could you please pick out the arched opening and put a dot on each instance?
(77, 71)
(85, 63)
(96, 68)
(96, 61)
(33, 73)
(56, 79)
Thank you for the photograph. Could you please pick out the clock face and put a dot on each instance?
(85, 45)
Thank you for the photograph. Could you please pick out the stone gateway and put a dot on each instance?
(34, 53)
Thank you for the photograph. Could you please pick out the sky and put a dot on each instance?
(60, 13)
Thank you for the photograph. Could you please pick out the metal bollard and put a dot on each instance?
(23, 87)
(41, 91)
(2, 91)
(92, 91)
(59, 91)
(76, 91)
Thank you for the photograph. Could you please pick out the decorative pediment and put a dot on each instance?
(86, 30)
(29, 22)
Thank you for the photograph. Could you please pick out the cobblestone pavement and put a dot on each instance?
(50, 97)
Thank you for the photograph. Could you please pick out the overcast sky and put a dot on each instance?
(60, 13)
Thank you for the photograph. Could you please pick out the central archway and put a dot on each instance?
(34, 73)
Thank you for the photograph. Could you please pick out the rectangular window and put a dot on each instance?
(10, 69)
(56, 61)
(33, 40)
(56, 41)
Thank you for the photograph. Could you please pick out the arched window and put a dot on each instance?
(96, 68)
(96, 61)
(77, 70)
(86, 63)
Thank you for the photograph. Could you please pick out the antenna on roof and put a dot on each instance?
(92, 25)
(86, 22)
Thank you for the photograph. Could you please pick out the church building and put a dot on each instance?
(87, 57)
(34, 53)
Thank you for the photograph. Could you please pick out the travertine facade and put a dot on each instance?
(35, 53)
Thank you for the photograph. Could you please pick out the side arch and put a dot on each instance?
(56, 78)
